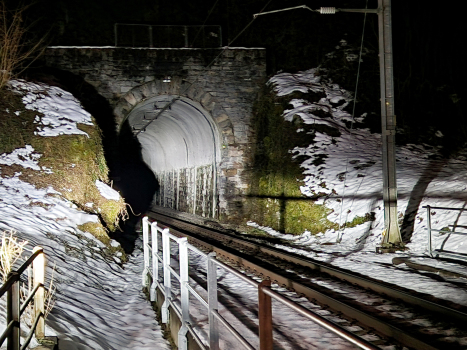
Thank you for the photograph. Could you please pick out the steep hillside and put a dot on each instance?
(47, 140)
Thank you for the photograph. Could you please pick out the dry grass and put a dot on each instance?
(17, 51)
(50, 296)
(10, 251)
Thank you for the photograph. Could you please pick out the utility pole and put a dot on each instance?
(391, 235)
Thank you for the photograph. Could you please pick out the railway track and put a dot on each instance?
(388, 317)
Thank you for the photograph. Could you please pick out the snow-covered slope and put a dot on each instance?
(99, 303)
(351, 175)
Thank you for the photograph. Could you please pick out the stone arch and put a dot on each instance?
(177, 87)
(184, 146)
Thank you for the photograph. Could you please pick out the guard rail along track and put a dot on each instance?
(367, 312)
(17, 303)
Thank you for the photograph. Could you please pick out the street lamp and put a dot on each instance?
(391, 235)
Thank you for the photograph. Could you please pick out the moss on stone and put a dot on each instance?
(74, 162)
(275, 199)
(97, 230)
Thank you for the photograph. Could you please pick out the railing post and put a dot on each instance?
(184, 293)
(167, 282)
(186, 37)
(155, 262)
(428, 228)
(212, 302)
(265, 317)
(38, 267)
(150, 37)
(220, 36)
(145, 251)
(13, 314)
(115, 33)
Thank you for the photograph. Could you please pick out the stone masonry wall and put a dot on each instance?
(224, 82)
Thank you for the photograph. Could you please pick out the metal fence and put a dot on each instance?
(167, 36)
(15, 310)
(443, 247)
(157, 275)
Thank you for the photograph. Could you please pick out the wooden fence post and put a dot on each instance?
(39, 276)
(265, 317)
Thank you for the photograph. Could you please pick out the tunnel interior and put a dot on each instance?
(180, 143)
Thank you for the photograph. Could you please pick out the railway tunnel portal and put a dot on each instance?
(181, 144)
(189, 109)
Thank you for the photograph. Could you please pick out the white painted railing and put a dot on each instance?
(157, 275)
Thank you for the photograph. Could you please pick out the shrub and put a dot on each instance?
(18, 49)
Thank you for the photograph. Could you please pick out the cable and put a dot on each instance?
(204, 23)
(199, 74)
(339, 236)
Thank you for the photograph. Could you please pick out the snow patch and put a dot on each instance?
(107, 191)
(62, 111)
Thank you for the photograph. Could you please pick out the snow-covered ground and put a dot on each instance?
(99, 302)
(352, 176)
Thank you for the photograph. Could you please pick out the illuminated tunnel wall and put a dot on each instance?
(181, 145)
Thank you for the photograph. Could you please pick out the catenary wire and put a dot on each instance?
(202, 71)
(341, 227)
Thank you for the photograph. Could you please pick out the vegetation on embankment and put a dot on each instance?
(71, 164)
(275, 199)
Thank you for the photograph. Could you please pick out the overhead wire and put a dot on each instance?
(168, 105)
(203, 70)
(341, 227)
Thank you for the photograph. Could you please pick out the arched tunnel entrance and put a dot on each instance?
(181, 145)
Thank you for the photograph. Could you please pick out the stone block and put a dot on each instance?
(230, 172)
(221, 118)
(206, 99)
(137, 94)
(235, 152)
(130, 98)
(227, 131)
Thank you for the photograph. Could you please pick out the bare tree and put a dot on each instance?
(18, 49)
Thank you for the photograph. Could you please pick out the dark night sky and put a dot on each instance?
(428, 44)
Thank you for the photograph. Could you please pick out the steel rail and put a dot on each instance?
(375, 286)
(380, 327)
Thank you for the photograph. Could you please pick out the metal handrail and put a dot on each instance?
(439, 252)
(14, 278)
(185, 33)
(15, 310)
(264, 308)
